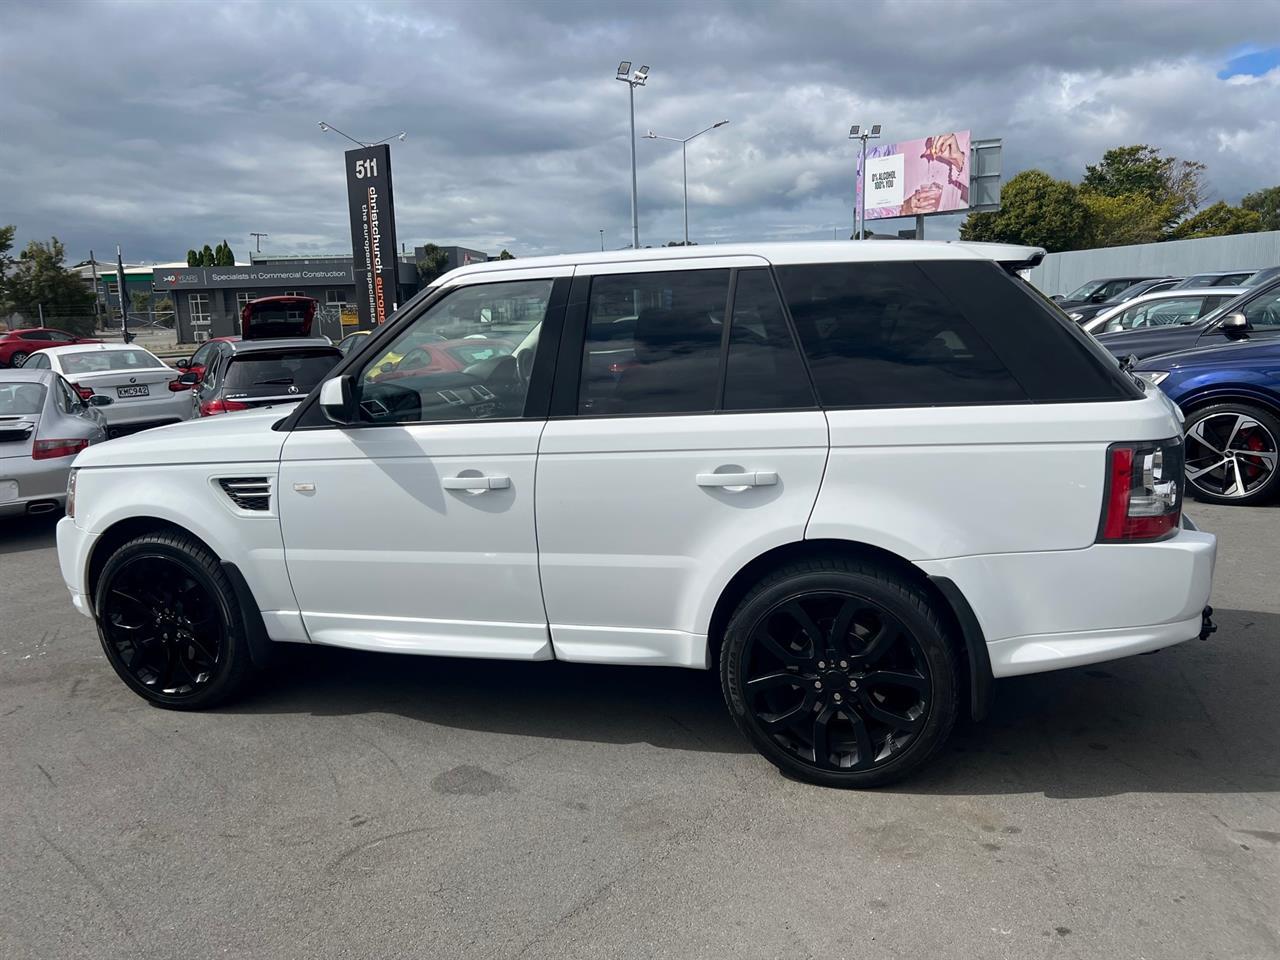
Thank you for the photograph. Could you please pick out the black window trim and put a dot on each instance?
(308, 416)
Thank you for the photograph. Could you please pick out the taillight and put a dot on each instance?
(85, 392)
(211, 407)
(49, 449)
(177, 386)
(1143, 499)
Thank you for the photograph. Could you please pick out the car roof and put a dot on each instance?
(26, 375)
(1186, 292)
(238, 347)
(1223, 273)
(20, 330)
(828, 251)
(92, 348)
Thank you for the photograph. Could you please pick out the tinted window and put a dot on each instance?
(101, 361)
(1264, 311)
(764, 370)
(466, 357)
(57, 336)
(277, 372)
(1155, 313)
(37, 361)
(19, 399)
(653, 343)
(882, 334)
(67, 401)
(41, 336)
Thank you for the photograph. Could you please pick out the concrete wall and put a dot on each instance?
(1063, 272)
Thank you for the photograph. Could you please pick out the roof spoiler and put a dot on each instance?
(1011, 256)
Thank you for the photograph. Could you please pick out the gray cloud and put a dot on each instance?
(162, 126)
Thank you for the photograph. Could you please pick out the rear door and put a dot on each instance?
(681, 446)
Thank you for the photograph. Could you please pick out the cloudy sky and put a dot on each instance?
(174, 124)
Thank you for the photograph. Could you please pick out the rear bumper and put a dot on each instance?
(1046, 611)
(74, 547)
(39, 482)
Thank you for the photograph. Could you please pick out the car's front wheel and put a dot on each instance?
(1231, 451)
(840, 673)
(170, 623)
(18, 358)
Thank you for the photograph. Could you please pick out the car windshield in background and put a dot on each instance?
(104, 361)
(1085, 291)
(276, 373)
(21, 399)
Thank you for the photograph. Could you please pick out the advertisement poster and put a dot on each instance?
(373, 233)
(930, 175)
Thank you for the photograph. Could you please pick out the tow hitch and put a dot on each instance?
(1207, 626)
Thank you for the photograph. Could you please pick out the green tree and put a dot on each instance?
(40, 281)
(1125, 218)
(1219, 220)
(6, 244)
(225, 257)
(1037, 210)
(1140, 170)
(193, 258)
(207, 259)
(1266, 204)
(431, 264)
(505, 254)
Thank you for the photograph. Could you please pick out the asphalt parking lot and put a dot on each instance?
(360, 805)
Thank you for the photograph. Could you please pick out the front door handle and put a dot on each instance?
(760, 478)
(476, 484)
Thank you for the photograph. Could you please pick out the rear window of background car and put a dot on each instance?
(102, 361)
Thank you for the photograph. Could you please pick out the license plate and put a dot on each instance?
(8, 490)
(142, 390)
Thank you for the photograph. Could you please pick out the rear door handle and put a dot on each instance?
(476, 483)
(760, 478)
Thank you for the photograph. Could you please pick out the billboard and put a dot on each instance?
(914, 177)
(373, 232)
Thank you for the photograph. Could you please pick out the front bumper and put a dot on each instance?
(1067, 608)
(74, 546)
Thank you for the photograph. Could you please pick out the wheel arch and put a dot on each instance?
(951, 604)
(1250, 395)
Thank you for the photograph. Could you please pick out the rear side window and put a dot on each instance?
(883, 334)
(763, 370)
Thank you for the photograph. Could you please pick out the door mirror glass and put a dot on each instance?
(337, 400)
(100, 400)
(1235, 324)
(183, 364)
(189, 379)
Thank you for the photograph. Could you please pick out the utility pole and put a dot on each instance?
(632, 81)
(93, 264)
(259, 238)
(602, 241)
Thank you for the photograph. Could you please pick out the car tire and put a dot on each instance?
(1242, 477)
(881, 707)
(18, 358)
(170, 623)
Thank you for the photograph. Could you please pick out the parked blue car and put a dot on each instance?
(1230, 395)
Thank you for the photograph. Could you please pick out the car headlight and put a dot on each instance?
(1076, 316)
(71, 491)
(1153, 377)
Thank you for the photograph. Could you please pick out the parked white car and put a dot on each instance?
(861, 479)
(1162, 308)
(136, 381)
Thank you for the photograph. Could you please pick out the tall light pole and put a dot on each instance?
(864, 134)
(602, 241)
(326, 127)
(633, 80)
(684, 162)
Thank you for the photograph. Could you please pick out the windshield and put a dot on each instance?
(1128, 293)
(278, 372)
(102, 361)
(1085, 291)
(20, 399)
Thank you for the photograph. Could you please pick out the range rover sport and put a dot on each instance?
(852, 477)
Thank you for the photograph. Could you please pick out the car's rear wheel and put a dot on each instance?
(170, 623)
(840, 673)
(18, 358)
(1231, 452)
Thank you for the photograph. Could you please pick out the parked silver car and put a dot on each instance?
(1162, 308)
(43, 425)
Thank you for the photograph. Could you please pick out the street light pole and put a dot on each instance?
(326, 127)
(684, 164)
(633, 80)
(602, 241)
(857, 132)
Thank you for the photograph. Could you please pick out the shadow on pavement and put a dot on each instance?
(1196, 718)
(20, 534)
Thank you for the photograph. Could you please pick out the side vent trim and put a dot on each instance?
(248, 493)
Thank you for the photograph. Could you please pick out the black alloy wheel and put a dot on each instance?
(170, 624)
(1232, 452)
(841, 675)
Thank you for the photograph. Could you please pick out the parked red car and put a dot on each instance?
(449, 356)
(17, 345)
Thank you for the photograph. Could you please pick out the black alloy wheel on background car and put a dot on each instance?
(840, 673)
(170, 623)
(1232, 451)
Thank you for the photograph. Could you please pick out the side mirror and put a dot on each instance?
(337, 399)
(183, 363)
(1236, 325)
(1098, 298)
(100, 400)
(1056, 296)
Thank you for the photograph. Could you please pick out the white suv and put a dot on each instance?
(862, 479)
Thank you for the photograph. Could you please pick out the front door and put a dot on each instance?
(1263, 314)
(681, 447)
(414, 531)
